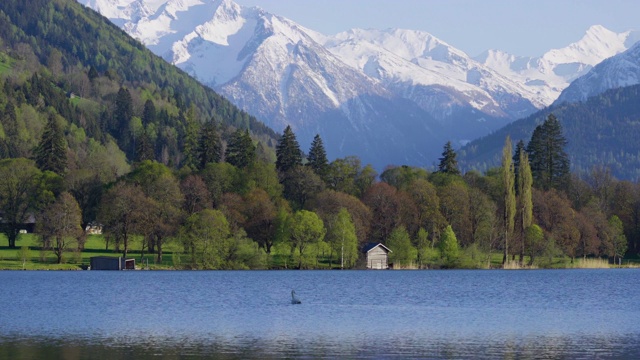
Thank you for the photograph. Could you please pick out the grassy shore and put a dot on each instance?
(29, 255)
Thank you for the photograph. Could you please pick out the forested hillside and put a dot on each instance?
(55, 50)
(603, 130)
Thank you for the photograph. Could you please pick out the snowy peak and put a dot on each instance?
(618, 71)
(552, 72)
(596, 45)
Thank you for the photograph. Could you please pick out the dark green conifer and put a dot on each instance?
(448, 162)
(317, 158)
(288, 153)
(209, 145)
(240, 149)
(51, 152)
(547, 157)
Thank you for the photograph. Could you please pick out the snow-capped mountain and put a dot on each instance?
(552, 72)
(389, 96)
(618, 71)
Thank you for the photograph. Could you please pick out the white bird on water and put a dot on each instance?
(294, 299)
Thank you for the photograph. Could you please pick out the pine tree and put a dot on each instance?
(509, 196)
(51, 152)
(240, 149)
(448, 162)
(209, 145)
(144, 148)
(317, 158)
(288, 153)
(190, 147)
(149, 113)
(548, 159)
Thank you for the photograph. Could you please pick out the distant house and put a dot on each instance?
(93, 228)
(112, 263)
(377, 256)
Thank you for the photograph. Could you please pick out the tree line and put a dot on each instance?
(231, 209)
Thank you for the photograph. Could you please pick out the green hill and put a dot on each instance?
(56, 56)
(604, 130)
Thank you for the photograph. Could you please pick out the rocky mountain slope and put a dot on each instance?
(389, 96)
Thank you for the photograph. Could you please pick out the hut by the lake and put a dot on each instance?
(377, 256)
(112, 263)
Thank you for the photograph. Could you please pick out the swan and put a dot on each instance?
(294, 299)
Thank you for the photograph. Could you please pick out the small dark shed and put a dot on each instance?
(377, 256)
(112, 263)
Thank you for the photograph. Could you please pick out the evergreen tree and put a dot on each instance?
(448, 162)
(123, 111)
(288, 153)
(509, 196)
(51, 152)
(149, 113)
(240, 149)
(209, 145)
(190, 147)
(317, 158)
(548, 159)
(144, 148)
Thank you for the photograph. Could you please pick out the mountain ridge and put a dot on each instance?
(255, 59)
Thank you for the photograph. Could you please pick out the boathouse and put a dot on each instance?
(112, 263)
(377, 256)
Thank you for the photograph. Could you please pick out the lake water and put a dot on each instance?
(347, 314)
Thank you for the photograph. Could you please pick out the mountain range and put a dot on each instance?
(391, 96)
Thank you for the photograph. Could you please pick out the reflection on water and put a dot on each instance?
(347, 314)
(384, 346)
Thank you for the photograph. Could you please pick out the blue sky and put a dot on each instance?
(521, 27)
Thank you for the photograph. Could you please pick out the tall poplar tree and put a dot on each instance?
(525, 201)
(317, 158)
(448, 162)
(288, 153)
(51, 152)
(509, 196)
(548, 159)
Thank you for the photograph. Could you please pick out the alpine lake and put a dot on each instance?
(449, 314)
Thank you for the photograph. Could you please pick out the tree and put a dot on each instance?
(524, 198)
(317, 158)
(51, 152)
(288, 153)
(509, 197)
(240, 150)
(190, 140)
(534, 237)
(300, 185)
(196, 195)
(122, 212)
(22, 193)
(149, 113)
(61, 221)
(206, 237)
(382, 200)
(343, 239)
(448, 163)
(403, 252)
(548, 159)
(209, 145)
(261, 214)
(328, 203)
(449, 247)
(619, 239)
(305, 228)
